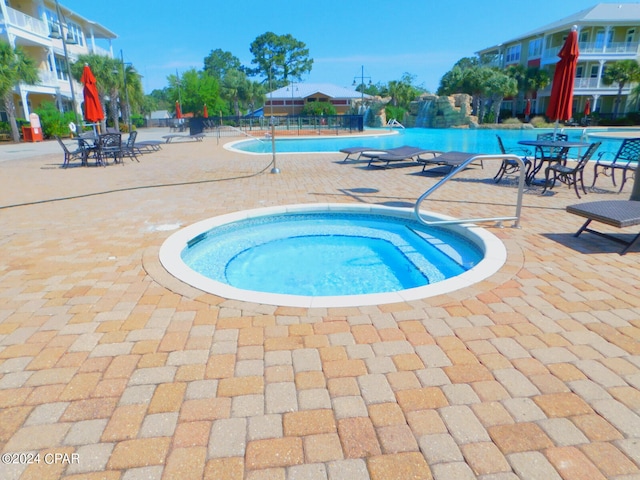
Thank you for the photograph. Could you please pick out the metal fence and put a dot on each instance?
(283, 124)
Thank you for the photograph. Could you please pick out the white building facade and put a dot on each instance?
(28, 24)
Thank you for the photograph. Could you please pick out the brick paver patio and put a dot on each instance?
(112, 369)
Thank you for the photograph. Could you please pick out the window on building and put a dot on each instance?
(594, 71)
(601, 38)
(579, 71)
(631, 35)
(535, 47)
(513, 54)
(61, 68)
(76, 32)
(584, 36)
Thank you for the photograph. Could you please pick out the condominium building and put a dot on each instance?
(32, 25)
(607, 32)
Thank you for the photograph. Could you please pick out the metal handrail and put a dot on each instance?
(462, 166)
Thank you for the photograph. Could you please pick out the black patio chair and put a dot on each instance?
(70, 156)
(570, 176)
(129, 149)
(109, 146)
(508, 166)
(625, 160)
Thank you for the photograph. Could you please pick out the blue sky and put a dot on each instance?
(388, 37)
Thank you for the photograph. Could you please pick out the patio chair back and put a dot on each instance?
(561, 137)
(629, 151)
(625, 160)
(110, 145)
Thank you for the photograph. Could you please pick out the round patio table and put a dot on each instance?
(553, 145)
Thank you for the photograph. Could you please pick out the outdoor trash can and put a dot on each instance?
(32, 134)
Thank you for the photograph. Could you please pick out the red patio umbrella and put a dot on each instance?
(92, 108)
(178, 111)
(527, 108)
(561, 100)
(587, 108)
(205, 112)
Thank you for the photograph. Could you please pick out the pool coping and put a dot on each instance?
(230, 146)
(168, 255)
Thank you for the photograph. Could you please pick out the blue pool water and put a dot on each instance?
(464, 140)
(327, 254)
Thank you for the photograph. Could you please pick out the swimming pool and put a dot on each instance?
(449, 139)
(329, 255)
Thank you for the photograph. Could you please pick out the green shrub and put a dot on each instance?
(315, 109)
(53, 121)
(394, 112)
(137, 120)
(512, 121)
(4, 127)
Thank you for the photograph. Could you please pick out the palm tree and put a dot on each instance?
(15, 67)
(622, 73)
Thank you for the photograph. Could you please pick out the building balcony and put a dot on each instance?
(588, 50)
(26, 26)
(590, 86)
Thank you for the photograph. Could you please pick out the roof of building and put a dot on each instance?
(99, 31)
(304, 90)
(603, 13)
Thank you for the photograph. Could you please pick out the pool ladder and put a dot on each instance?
(461, 167)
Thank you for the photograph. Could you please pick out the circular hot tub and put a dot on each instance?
(323, 255)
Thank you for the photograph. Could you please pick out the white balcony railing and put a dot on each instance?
(590, 84)
(47, 78)
(26, 22)
(614, 48)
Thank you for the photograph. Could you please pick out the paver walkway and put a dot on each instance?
(111, 369)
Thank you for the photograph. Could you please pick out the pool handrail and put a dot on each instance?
(462, 166)
(234, 129)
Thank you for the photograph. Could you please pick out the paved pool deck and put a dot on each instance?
(112, 369)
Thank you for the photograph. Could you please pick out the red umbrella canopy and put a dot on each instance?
(587, 108)
(92, 108)
(178, 111)
(205, 112)
(527, 108)
(560, 103)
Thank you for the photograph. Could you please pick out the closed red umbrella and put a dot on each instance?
(587, 108)
(92, 108)
(205, 112)
(561, 100)
(527, 108)
(178, 111)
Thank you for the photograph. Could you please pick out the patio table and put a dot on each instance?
(553, 145)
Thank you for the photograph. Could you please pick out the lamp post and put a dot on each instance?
(56, 33)
(293, 107)
(126, 91)
(361, 77)
(275, 168)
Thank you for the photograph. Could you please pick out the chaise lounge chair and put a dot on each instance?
(359, 151)
(398, 154)
(447, 159)
(198, 137)
(617, 213)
